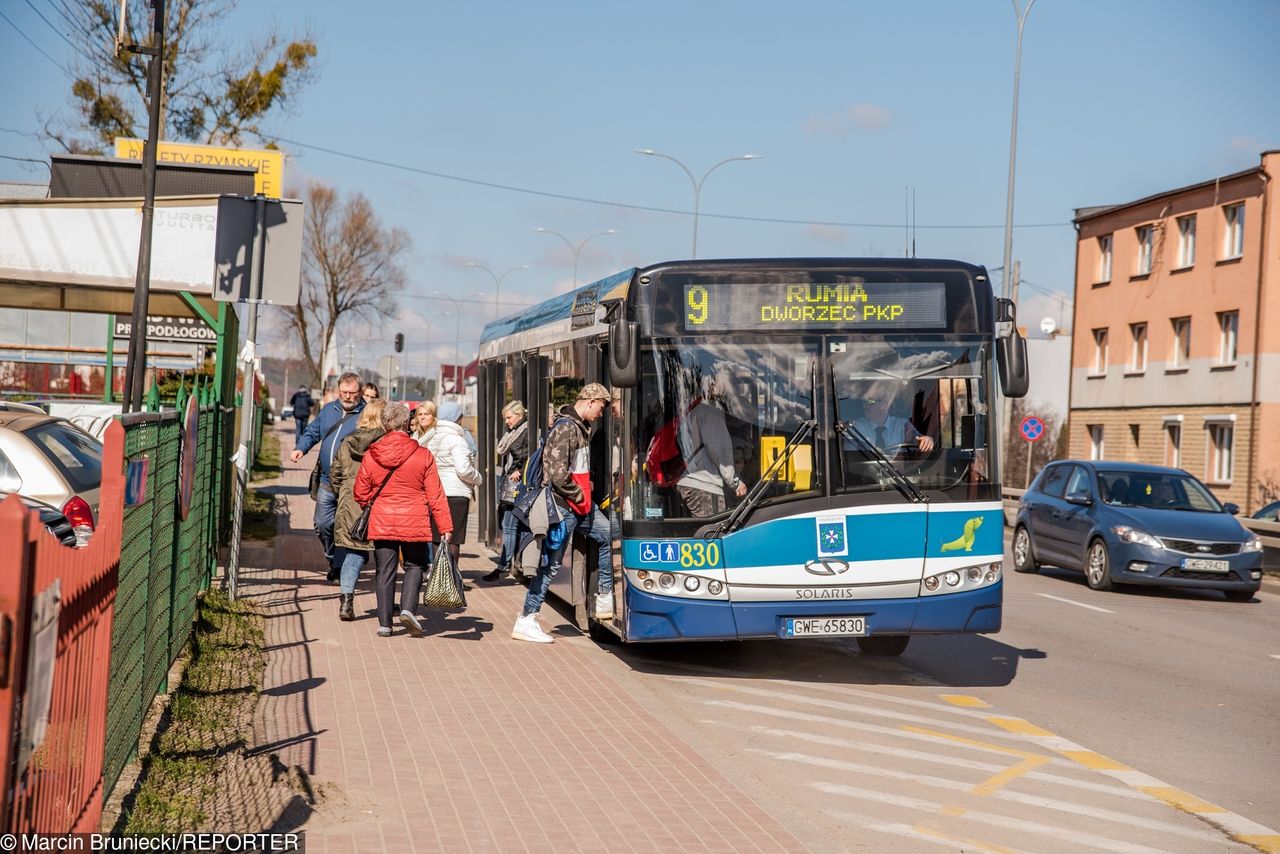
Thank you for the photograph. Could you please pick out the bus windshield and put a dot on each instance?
(924, 407)
(716, 415)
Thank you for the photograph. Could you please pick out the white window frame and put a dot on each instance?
(1219, 465)
(1177, 357)
(1228, 337)
(1186, 241)
(1146, 235)
(1138, 351)
(1173, 444)
(1104, 258)
(1101, 346)
(1233, 231)
(1097, 446)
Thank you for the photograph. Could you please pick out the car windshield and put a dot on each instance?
(1158, 490)
(75, 454)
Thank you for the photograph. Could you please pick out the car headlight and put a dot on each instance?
(1133, 535)
(1253, 544)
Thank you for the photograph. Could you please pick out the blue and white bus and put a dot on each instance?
(859, 397)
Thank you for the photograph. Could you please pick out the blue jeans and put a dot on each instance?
(353, 561)
(597, 529)
(326, 509)
(509, 525)
(300, 427)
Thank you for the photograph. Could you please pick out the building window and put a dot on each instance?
(1181, 355)
(1138, 354)
(1173, 444)
(1146, 242)
(1228, 336)
(1186, 241)
(1095, 442)
(1233, 235)
(1221, 437)
(1104, 258)
(1099, 366)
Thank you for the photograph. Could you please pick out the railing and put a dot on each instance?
(56, 621)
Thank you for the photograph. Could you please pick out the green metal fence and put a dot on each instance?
(165, 561)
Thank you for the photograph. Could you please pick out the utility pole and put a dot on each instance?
(136, 367)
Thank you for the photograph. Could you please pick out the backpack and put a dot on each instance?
(531, 478)
(664, 461)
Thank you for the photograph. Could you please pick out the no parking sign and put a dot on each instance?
(1032, 428)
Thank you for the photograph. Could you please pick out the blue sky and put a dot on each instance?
(849, 103)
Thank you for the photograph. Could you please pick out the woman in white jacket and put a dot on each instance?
(455, 453)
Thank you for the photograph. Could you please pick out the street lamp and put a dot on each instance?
(578, 249)
(697, 183)
(457, 331)
(1007, 282)
(497, 282)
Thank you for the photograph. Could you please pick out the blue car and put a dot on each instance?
(1127, 523)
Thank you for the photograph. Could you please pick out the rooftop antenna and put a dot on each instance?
(906, 223)
(913, 222)
(122, 45)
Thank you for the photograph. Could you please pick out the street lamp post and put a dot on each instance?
(497, 282)
(696, 182)
(457, 335)
(576, 250)
(1007, 282)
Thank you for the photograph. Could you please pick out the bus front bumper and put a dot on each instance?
(664, 618)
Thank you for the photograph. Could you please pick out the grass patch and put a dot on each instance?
(266, 463)
(209, 718)
(259, 520)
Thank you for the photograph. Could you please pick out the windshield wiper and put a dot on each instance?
(756, 494)
(848, 428)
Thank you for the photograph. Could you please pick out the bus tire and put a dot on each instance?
(884, 644)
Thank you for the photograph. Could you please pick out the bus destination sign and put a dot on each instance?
(768, 306)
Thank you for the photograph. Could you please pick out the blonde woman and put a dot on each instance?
(424, 422)
(342, 476)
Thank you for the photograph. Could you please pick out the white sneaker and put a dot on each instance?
(604, 606)
(527, 629)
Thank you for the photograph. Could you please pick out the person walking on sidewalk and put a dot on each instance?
(513, 450)
(399, 477)
(342, 479)
(336, 421)
(566, 458)
(455, 453)
(301, 405)
(370, 392)
(424, 421)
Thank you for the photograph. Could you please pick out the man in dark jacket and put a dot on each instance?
(336, 421)
(301, 405)
(566, 458)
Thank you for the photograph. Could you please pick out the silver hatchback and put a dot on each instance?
(51, 460)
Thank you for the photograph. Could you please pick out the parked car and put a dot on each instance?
(1269, 513)
(54, 522)
(54, 461)
(1126, 523)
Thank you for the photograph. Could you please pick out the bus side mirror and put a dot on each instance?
(1011, 360)
(624, 353)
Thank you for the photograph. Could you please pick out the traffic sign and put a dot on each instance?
(1032, 428)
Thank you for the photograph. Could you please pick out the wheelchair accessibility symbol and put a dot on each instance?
(649, 552)
(659, 552)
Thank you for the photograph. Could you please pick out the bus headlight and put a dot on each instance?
(691, 583)
(960, 579)
(666, 581)
(974, 573)
(931, 583)
(714, 587)
(952, 578)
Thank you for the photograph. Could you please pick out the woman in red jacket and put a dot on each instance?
(402, 515)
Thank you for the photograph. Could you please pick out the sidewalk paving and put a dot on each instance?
(466, 740)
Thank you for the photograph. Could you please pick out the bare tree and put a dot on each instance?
(350, 269)
(215, 89)
(1017, 449)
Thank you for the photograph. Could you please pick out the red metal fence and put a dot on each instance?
(56, 611)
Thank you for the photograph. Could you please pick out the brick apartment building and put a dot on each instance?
(1176, 352)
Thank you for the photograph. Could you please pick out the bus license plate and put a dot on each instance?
(1199, 564)
(804, 627)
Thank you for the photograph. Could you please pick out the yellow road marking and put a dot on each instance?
(988, 787)
(1011, 751)
(965, 701)
(1184, 801)
(1020, 726)
(1096, 761)
(953, 811)
(1268, 843)
(972, 843)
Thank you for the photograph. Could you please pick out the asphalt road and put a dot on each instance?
(1132, 721)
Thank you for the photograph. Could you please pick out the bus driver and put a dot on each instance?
(888, 432)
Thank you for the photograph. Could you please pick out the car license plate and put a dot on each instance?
(1199, 564)
(804, 627)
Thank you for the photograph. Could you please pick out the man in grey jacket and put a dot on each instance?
(708, 454)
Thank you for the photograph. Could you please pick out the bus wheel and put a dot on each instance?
(884, 644)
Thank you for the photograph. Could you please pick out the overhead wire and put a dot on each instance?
(61, 35)
(29, 40)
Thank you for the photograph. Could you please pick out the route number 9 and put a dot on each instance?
(699, 554)
(696, 297)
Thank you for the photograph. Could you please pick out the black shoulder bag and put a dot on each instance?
(359, 529)
(314, 486)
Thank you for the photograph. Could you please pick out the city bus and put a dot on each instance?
(859, 489)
